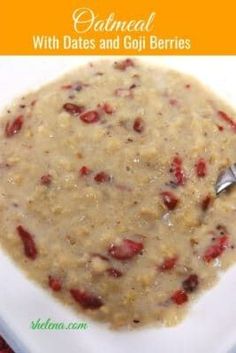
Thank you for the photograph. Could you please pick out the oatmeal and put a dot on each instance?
(107, 190)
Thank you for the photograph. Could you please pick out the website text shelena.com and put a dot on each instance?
(49, 324)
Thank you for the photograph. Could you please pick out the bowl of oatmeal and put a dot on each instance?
(107, 191)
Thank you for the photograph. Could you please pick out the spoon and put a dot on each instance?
(226, 179)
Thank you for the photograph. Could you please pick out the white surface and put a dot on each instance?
(209, 327)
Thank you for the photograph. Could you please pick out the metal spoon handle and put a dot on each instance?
(226, 179)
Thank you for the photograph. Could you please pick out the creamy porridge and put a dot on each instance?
(107, 190)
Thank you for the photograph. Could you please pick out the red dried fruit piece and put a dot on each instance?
(215, 250)
(107, 108)
(168, 264)
(86, 300)
(46, 179)
(126, 250)
(73, 109)
(227, 119)
(205, 203)
(177, 170)
(85, 171)
(138, 125)
(201, 168)
(179, 297)
(169, 199)
(90, 117)
(102, 177)
(54, 283)
(123, 92)
(190, 283)
(28, 242)
(124, 64)
(14, 127)
(113, 272)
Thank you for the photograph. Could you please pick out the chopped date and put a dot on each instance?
(138, 125)
(73, 109)
(126, 250)
(14, 126)
(132, 86)
(228, 119)
(73, 86)
(28, 242)
(217, 248)
(135, 321)
(169, 199)
(85, 299)
(179, 297)
(220, 127)
(78, 87)
(54, 283)
(190, 284)
(107, 108)
(205, 203)
(46, 179)
(123, 64)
